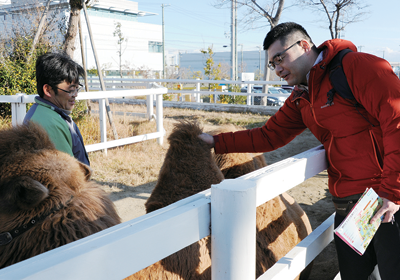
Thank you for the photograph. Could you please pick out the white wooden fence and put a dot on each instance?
(19, 101)
(230, 209)
(186, 95)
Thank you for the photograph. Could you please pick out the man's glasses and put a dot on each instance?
(278, 58)
(71, 92)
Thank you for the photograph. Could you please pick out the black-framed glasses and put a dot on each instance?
(278, 58)
(71, 92)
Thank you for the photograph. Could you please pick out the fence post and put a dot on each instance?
(103, 126)
(249, 97)
(198, 89)
(150, 103)
(233, 230)
(18, 110)
(159, 120)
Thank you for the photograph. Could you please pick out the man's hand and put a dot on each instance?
(208, 139)
(388, 208)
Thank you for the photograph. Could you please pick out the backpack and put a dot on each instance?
(338, 79)
(339, 82)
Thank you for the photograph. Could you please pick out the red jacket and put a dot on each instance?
(361, 153)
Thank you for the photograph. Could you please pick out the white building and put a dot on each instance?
(141, 50)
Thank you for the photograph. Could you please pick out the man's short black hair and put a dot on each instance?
(54, 68)
(282, 31)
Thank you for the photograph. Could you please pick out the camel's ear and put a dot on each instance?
(23, 193)
(86, 170)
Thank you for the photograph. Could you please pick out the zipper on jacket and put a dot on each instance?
(328, 152)
(335, 193)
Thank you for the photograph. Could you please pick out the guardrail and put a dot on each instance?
(19, 101)
(126, 248)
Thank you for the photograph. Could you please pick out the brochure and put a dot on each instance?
(355, 229)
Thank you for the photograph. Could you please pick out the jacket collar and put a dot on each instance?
(53, 107)
(331, 47)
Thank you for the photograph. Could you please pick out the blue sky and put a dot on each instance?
(193, 25)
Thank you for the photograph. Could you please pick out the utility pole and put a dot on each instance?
(99, 72)
(163, 40)
(241, 58)
(360, 47)
(234, 42)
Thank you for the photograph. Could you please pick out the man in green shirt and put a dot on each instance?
(57, 77)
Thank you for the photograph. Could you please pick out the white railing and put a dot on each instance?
(19, 101)
(126, 248)
(188, 95)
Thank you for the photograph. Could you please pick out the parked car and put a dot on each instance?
(255, 88)
(287, 88)
(258, 89)
(275, 100)
(271, 100)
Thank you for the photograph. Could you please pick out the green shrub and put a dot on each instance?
(17, 72)
(167, 97)
(233, 99)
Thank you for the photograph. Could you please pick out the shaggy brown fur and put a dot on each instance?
(35, 178)
(190, 167)
(237, 164)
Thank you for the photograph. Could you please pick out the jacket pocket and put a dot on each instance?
(377, 150)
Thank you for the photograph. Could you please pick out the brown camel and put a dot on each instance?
(46, 198)
(189, 168)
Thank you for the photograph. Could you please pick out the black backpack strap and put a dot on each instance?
(339, 82)
(338, 78)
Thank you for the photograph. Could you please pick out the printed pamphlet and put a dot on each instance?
(356, 229)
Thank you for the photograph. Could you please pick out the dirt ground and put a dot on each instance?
(312, 195)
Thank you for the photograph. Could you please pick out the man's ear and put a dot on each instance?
(305, 45)
(47, 89)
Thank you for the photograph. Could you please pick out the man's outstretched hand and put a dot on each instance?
(208, 139)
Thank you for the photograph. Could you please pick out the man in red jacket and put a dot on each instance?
(362, 143)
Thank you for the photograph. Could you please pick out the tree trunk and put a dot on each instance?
(39, 30)
(69, 43)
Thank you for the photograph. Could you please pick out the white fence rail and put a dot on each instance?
(187, 95)
(19, 101)
(124, 249)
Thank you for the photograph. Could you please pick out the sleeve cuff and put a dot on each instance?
(216, 142)
(389, 196)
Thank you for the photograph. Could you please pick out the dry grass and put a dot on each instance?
(5, 123)
(139, 164)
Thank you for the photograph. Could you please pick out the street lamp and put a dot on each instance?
(163, 40)
(259, 62)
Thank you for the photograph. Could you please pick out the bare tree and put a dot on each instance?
(75, 10)
(255, 11)
(254, 17)
(340, 13)
(121, 39)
